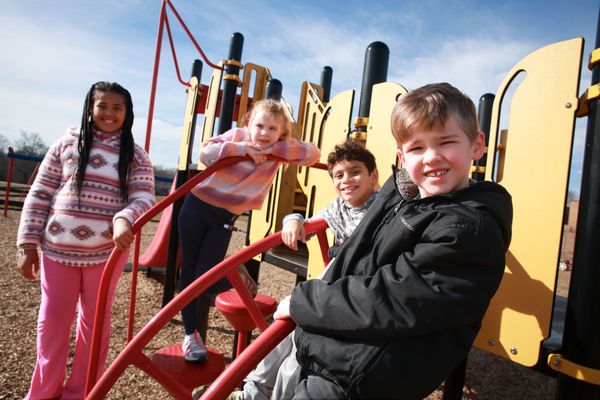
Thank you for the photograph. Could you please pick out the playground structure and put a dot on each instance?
(518, 324)
(12, 156)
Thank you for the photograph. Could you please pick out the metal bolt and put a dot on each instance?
(556, 362)
(569, 105)
(491, 342)
(513, 350)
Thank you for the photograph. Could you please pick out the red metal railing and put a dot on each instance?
(132, 353)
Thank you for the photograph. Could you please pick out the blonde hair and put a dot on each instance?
(278, 109)
(431, 105)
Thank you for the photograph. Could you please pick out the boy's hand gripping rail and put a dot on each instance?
(226, 268)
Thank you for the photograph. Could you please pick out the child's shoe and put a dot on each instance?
(248, 281)
(236, 395)
(193, 348)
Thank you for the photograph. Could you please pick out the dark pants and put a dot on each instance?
(203, 240)
(314, 387)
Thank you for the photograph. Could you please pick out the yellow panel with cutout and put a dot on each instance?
(325, 126)
(212, 102)
(533, 167)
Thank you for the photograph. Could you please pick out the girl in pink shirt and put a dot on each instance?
(213, 205)
(93, 184)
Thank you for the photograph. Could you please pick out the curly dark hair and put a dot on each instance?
(351, 151)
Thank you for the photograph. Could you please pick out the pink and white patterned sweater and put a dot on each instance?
(244, 185)
(51, 216)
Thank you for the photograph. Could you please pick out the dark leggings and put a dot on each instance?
(203, 240)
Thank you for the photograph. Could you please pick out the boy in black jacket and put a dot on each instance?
(403, 301)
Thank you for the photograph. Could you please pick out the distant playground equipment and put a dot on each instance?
(12, 156)
(521, 325)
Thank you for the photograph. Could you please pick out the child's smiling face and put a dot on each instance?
(108, 111)
(265, 129)
(439, 159)
(353, 182)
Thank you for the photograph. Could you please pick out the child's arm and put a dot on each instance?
(140, 187)
(297, 152)
(36, 207)
(122, 234)
(293, 230)
(28, 263)
(231, 143)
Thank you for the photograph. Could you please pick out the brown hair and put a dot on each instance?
(351, 151)
(279, 110)
(432, 105)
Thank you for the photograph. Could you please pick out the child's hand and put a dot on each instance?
(291, 232)
(28, 264)
(283, 309)
(258, 154)
(122, 234)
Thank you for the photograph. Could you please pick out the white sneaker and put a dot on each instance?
(236, 395)
(193, 348)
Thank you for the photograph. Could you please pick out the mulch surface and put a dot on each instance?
(488, 376)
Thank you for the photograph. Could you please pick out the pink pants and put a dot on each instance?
(63, 287)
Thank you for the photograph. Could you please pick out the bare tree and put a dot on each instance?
(31, 144)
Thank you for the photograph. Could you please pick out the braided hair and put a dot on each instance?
(86, 135)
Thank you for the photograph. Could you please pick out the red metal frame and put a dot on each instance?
(162, 23)
(132, 354)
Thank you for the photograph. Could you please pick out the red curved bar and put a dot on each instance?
(250, 357)
(157, 208)
(111, 262)
(132, 353)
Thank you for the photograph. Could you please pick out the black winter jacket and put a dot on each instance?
(403, 301)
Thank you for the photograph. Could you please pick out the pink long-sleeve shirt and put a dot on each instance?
(51, 216)
(244, 185)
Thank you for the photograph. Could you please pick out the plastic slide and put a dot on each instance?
(155, 255)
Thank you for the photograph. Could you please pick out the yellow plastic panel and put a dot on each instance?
(262, 220)
(261, 76)
(535, 172)
(212, 102)
(188, 123)
(379, 134)
(325, 126)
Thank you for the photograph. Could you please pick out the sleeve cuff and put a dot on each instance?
(293, 217)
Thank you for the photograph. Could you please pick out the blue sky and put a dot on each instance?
(53, 51)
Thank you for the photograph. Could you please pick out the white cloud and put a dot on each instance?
(475, 66)
(164, 140)
(53, 53)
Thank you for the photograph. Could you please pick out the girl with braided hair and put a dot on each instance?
(93, 183)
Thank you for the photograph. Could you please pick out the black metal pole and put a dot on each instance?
(484, 114)
(374, 71)
(170, 279)
(581, 340)
(274, 89)
(326, 78)
(230, 82)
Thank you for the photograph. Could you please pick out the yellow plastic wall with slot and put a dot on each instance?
(536, 166)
